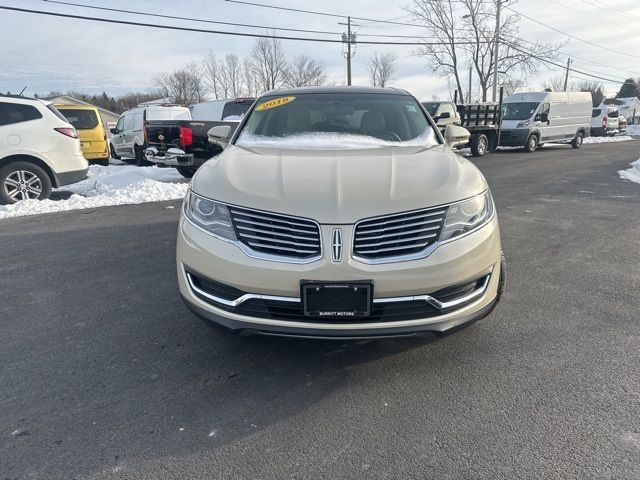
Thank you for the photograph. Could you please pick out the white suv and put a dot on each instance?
(39, 150)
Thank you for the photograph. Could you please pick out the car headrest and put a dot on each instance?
(298, 120)
(372, 122)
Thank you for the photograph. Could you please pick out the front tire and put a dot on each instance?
(531, 144)
(23, 181)
(577, 140)
(113, 152)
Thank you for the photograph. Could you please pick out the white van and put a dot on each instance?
(531, 119)
(128, 139)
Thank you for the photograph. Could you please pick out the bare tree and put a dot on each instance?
(514, 59)
(212, 74)
(556, 84)
(381, 68)
(183, 86)
(303, 71)
(477, 18)
(250, 84)
(231, 78)
(268, 63)
(440, 20)
(596, 89)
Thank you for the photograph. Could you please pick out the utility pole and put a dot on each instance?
(566, 76)
(495, 48)
(470, 83)
(349, 38)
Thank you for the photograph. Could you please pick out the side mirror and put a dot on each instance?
(544, 117)
(455, 136)
(113, 130)
(445, 115)
(219, 134)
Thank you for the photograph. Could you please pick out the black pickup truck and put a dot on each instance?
(184, 144)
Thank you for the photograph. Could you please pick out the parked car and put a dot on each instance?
(604, 121)
(93, 134)
(185, 144)
(339, 212)
(39, 149)
(129, 141)
(531, 119)
(443, 112)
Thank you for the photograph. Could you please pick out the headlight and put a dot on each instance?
(466, 216)
(211, 216)
(526, 123)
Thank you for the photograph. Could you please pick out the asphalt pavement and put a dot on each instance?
(105, 374)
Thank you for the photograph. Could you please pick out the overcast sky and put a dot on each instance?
(47, 53)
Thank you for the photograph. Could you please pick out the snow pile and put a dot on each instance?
(633, 130)
(106, 186)
(632, 174)
(331, 141)
(620, 138)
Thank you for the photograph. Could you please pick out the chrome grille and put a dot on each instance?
(399, 234)
(276, 234)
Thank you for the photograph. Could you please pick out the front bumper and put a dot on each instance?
(472, 257)
(515, 137)
(173, 157)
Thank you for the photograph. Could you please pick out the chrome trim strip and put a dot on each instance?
(426, 298)
(437, 303)
(240, 300)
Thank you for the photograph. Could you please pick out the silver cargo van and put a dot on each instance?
(533, 118)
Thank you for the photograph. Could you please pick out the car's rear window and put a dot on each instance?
(168, 113)
(235, 110)
(596, 113)
(80, 118)
(383, 117)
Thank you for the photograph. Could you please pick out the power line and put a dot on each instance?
(550, 50)
(550, 62)
(218, 22)
(313, 12)
(618, 11)
(217, 32)
(591, 16)
(190, 19)
(572, 36)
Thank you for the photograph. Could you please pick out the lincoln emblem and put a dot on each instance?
(336, 245)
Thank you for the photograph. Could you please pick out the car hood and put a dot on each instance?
(338, 186)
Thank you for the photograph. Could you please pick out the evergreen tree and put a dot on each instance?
(630, 88)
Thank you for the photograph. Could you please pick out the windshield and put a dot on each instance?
(518, 111)
(431, 107)
(336, 120)
(80, 119)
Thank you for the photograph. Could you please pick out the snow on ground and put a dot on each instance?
(633, 130)
(632, 174)
(617, 138)
(105, 186)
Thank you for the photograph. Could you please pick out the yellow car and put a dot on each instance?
(93, 134)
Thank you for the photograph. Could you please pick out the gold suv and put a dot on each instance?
(339, 213)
